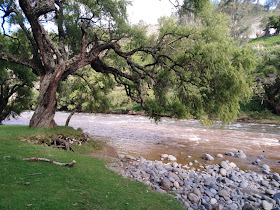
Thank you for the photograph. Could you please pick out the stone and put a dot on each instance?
(224, 165)
(223, 172)
(207, 206)
(219, 156)
(264, 183)
(266, 205)
(121, 156)
(130, 157)
(165, 156)
(166, 184)
(197, 192)
(176, 184)
(213, 201)
(172, 158)
(175, 164)
(270, 192)
(193, 198)
(207, 157)
(265, 167)
(233, 206)
(240, 154)
(212, 190)
(142, 160)
(243, 184)
(247, 206)
(223, 193)
(276, 196)
(232, 165)
(276, 177)
(229, 153)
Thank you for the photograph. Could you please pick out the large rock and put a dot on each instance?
(207, 157)
(166, 184)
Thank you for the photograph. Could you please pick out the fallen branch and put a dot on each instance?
(35, 159)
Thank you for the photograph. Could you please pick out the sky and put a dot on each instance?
(149, 11)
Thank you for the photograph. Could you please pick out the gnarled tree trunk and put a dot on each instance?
(45, 110)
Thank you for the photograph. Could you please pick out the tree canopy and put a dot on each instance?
(16, 82)
(182, 71)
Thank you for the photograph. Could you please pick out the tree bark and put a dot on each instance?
(47, 101)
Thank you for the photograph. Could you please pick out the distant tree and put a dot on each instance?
(273, 22)
(270, 4)
(268, 78)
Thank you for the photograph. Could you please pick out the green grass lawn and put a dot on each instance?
(87, 185)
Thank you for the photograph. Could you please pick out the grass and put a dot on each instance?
(259, 117)
(87, 185)
(267, 42)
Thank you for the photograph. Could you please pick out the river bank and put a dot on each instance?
(218, 186)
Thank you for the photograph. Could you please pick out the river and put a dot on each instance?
(140, 136)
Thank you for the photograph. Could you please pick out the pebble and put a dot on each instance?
(223, 193)
(193, 198)
(219, 156)
(266, 205)
(265, 167)
(172, 158)
(176, 184)
(224, 165)
(164, 156)
(207, 157)
(223, 172)
(213, 201)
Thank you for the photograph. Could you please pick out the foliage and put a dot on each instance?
(267, 72)
(87, 185)
(274, 22)
(16, 82)
(85, 91)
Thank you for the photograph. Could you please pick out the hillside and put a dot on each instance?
(265, 42)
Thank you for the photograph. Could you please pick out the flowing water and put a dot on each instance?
(140, 136)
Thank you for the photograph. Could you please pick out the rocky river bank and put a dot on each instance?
(206, 186)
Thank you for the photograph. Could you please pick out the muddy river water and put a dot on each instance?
(140, 136)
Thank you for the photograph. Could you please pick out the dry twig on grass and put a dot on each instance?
(35, 159)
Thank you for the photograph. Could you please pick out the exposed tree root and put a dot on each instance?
(35, 159)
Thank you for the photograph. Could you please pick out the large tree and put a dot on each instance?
(181, 71)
